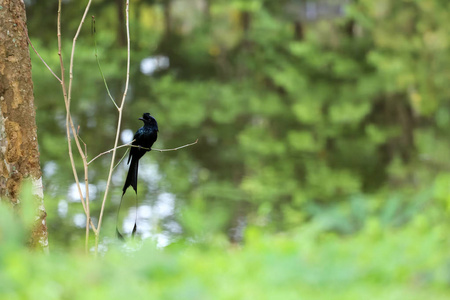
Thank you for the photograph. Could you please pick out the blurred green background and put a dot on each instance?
(323, 153)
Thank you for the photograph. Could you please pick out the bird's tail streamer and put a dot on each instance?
(133, 233)
(118, 234)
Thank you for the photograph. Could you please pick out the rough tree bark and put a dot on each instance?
(19, 153)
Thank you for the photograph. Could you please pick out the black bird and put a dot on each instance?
(144, 139)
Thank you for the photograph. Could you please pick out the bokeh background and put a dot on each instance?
(325, 124)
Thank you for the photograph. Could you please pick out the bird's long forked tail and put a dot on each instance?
(118, 234)
(131, 180)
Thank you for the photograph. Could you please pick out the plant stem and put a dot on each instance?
(119, 123)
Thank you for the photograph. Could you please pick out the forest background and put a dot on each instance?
(322, 168)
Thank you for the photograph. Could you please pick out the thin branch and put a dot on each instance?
(85, 146)
(106, 152)
(75, 136)
(130, 145)
(88, 211)
(177, 148)
(63, 86)
(123, 156)
(98, 63)
(119, 122)
(35, 51)
(69, 122)
(73, 49)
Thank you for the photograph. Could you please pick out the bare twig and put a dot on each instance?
(63, 85)
(119, 122)
(123, 156)
(85, 146)
(109, 151)
(35, 51)
(69, 122)
(177, 148)
(130, 145)
(98, 63)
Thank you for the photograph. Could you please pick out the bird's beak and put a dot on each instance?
(142, 119)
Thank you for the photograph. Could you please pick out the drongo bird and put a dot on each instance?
(143, 141)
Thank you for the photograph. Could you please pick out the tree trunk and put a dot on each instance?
(19, 153)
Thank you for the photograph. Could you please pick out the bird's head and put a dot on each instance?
(148, 119)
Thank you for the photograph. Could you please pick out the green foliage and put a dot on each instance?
(380, 261)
